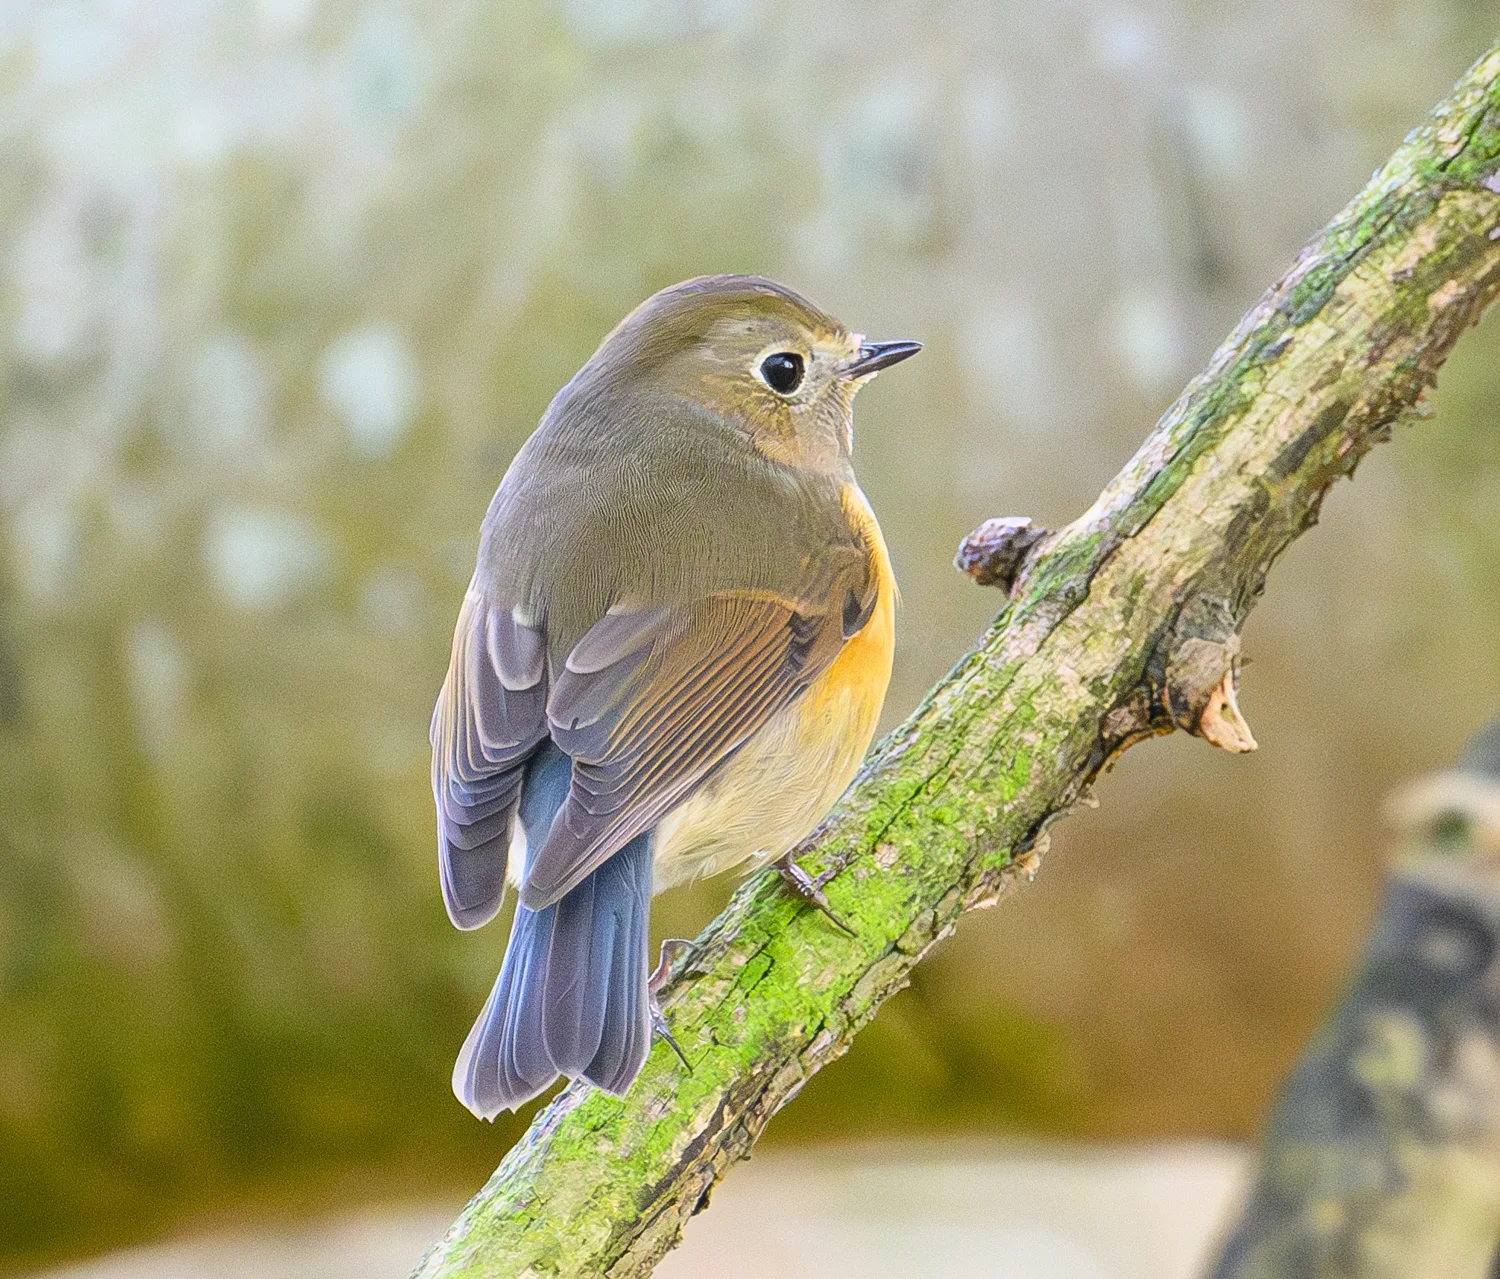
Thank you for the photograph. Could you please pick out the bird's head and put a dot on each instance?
(755, 354)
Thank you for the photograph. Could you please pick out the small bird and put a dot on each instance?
(670, 660)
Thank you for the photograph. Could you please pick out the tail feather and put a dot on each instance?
(489, 1075)
(597, 1022)
(571, 997)
(625, 1038)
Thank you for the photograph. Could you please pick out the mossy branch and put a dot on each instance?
(1122, 625)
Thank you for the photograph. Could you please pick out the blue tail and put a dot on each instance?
(571, 998)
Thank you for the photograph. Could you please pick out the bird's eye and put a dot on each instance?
(782, 371)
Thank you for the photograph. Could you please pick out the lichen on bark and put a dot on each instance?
(952, 807)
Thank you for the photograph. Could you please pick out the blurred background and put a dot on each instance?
(284, 285)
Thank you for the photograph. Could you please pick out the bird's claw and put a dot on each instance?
(661, 1030)
(670, 950)
(810, 889)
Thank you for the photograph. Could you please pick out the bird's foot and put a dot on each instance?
(670, 950)
(810, 888)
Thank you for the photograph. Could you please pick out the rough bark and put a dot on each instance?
(1121, 625)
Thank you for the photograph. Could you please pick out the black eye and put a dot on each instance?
(782, 371)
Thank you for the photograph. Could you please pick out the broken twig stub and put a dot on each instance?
(997, 551)
(1200, 692)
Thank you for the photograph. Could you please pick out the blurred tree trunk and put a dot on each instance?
(1382, 1159)
(1120, 626)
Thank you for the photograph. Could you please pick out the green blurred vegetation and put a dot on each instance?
(284, 286)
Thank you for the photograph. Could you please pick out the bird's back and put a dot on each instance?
(655, 501)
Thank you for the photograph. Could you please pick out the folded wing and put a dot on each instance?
(489, 718)
(651, 701)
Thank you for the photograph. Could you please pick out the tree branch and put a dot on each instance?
(1120, 626)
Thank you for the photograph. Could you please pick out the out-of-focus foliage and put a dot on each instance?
(284, 284)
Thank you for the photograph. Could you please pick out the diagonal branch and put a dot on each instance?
(1119, 626)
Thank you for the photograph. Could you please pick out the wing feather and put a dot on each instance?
(685, 689)
(490, 716)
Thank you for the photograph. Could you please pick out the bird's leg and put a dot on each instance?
(671, 948)
(809, 888)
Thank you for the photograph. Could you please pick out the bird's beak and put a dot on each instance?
(874, 356)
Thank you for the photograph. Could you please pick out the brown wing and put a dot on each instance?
(489, 718)
(649, 703)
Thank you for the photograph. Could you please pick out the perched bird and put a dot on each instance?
(670, 659)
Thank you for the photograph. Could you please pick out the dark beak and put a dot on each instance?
(874, 356)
